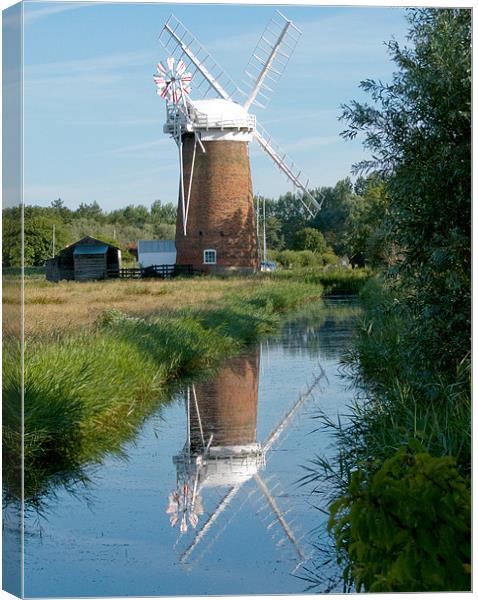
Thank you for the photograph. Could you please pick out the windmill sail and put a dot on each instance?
(270, 147)
(183, 45)
(270, 58)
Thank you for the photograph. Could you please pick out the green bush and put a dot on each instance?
(405, 527)
(311, 239)
(329, 258)
(294, 259)
(289, 259)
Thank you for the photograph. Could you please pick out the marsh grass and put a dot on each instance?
(43, 299)
(76, 305)
(404, 399)
(141, 290)
(396, 399)
(334, 281)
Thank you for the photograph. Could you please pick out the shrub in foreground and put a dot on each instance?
(405, 527)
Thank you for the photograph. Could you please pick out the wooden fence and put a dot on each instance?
(157, 271)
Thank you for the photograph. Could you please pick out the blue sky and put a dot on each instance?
(93, 122)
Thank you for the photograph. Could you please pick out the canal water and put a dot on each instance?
(206, 498)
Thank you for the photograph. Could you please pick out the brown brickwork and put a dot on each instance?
(221, 213)
(228, 404)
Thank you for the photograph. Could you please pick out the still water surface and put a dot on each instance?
(207, 500)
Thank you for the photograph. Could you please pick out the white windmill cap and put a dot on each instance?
(219, 106)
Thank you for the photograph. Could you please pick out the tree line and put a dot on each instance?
(349, 224)
(121, 227)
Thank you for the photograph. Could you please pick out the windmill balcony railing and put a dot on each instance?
(193, 120)
(203, 121)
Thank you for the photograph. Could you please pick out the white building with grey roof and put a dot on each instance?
(156, 252)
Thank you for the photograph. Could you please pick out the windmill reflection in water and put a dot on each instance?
(221, 450)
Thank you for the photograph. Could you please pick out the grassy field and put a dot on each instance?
(73, 305)
(99, 356)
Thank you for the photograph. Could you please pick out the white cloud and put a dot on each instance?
(308, 143)
(31, 15)
(106, 62)
(149, 148)
(87, 78)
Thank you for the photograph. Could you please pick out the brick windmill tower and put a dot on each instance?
(215, 228)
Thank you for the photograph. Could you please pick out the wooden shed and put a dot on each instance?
(84, 260)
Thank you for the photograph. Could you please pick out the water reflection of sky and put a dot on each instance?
(116, 538)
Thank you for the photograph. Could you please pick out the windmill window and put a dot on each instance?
(209, 257)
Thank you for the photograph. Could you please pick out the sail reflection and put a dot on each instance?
(222, 451)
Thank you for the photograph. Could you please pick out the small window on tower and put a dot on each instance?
(209, 257)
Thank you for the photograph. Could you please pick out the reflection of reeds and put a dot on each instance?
(86, 393)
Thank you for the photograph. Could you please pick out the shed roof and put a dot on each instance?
(85, 241)
(156, 246)
(90, 249)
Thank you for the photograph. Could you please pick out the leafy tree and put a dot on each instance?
(164, 231)
(367, 222)
(59, 210)
(290, 213)
(163, 213)
(57, 204)
(38, 236)
(90, 211)
(310, 239)
(274, 236)
(11, 237)
(136, 215)
(332, 219)
(418, 130)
